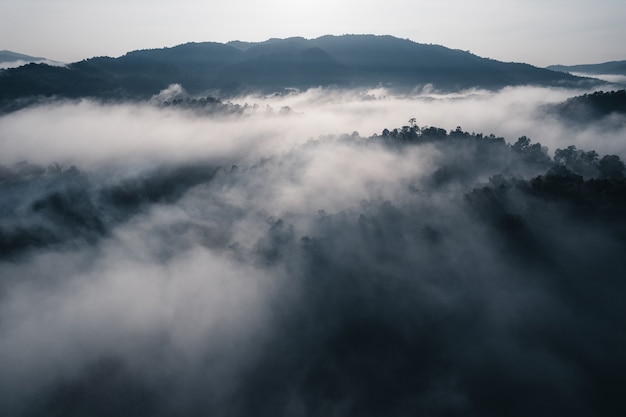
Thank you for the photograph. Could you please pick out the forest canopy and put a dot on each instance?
(189, 257)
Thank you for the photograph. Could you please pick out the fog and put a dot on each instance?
(284, 258)
(20, 62)
(92, 132)
(618, 79)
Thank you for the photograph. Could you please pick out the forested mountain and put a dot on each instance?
(273, 65)
(171, 249)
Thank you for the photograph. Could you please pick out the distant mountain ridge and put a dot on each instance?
(10, 56)
(274, 65)
(612, 67)
(10, 59)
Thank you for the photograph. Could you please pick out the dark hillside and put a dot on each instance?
(592, 107)
(490, 284)
(303, 68)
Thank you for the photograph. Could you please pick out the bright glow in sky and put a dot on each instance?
(539, 32)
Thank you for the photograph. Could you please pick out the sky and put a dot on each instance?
(537, 32)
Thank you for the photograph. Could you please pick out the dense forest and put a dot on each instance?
(490, 284)
(56, 204)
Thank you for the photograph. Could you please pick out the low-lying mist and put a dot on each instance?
(312, 254)
(91, 132)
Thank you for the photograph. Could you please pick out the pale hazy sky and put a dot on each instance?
(540, 32)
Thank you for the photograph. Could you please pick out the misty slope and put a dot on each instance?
(9, 56)
(613, 67)
(273, 65)
(414, 272)
(592, 107)
(10, 59)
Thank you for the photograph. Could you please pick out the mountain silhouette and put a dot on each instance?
(274, 65)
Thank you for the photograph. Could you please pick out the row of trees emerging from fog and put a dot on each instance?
(586, 164)
(74, 205)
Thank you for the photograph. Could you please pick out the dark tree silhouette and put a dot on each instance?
(578, 161)
(611, 167)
